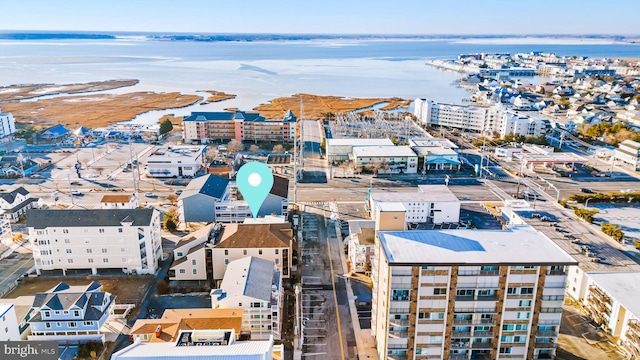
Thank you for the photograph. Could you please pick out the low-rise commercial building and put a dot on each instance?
(255, 285)
(175, 161)
(385, 159)
(128, 240)
(434, 204)
(342, 149)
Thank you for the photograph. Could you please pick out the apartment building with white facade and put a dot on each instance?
(467, 118)
(434, 204)
(191, 257)
(520, 124)
(255, 285)
(8, 323)
(610, 300)
(7, 126)
(175, 161)
(92, 240)
(465, 294)
(628, 152)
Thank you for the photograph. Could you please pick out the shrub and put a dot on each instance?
(637, 244)
(585, 214)
(170, 225)
(90, 349)
(562, 203)
(615, 232)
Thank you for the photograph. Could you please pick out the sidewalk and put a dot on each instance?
(364, 340)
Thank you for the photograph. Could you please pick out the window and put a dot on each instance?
(70, 261)
(431, 316)
(244, 252)
(47, 314)
(179, 253)
(66, 241)
(400, 295)
(68, 251)
(76, 313)
(527, 291)
(523, 315)
(195, 271)
(47, 325)
(105, 260)
(182, 271)
(65, 231)
(226, 261)
(88, 323)
(464, 292)
(505, 350)
(259, 251)
(428, 268)
(101, 231)
(277, 251)
(90, 261)
(512, 291)
(73, 324)
(435, 339)
(89, 251)
(226, 252)
(440, 291)
(524, 303)
(121, 249)
(193, 262)
(119, 230)
(104, 250)
(277, 261)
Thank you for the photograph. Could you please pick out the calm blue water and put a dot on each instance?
(259, 71)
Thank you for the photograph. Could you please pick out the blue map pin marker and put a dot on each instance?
(255, 181)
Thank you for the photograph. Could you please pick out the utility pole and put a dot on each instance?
(133, 170)
(70, 193)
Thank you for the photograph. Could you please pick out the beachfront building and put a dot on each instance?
(339, 150)
(119, 202)
(7, 126)
(168, 327)
(360, 244)
(9, 329)
(628, 152)
(465, 294)
(431, 204)
(206, 127)
(218, 344)
(70, 314)
(467, 118)
(175, 161)
(610, 299)
(113, 240)
(255, 285)
(385, 159)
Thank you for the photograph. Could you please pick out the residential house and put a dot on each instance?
(217, 344)
(127, 240)
(360, 245)
(197, 201)
(70, 314)
(191, 261)
(16, 203)
(175, 161)
(255, 285)
(465, 293)
(173, 321)
(206, 127)
(119, 202)
(15, 166)
(8, 323)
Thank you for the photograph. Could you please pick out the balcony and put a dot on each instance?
(462, 321)
(547, 333)
(393, 322)
(399, 334)
(482, 345)
(399, 310)
(458, 356)
(544, 345)
(461, 334)
(461, 345)
(599, 294)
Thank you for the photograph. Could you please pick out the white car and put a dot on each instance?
(150, 195)
(75, 192)
(626, 191)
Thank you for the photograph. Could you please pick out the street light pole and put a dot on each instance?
(586, 203)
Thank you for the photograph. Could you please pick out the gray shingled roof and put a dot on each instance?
(10, 197)
(60, 298)
(41, 219)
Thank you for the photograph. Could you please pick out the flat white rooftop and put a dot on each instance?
(433, 193)
(391, 206)
(359, 142)
(521, 245)
(621, 286)
(383, 151)
(169, 351)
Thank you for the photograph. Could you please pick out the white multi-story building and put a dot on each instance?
(175, 161)
(82, 240)
(434, 204)
(190, 255)
(468, 118)
(610, 299)
(628, 151)
(386, 159)
(255, 285)
(518, 124)
(9, 329)
(465, 294)
(7, 125)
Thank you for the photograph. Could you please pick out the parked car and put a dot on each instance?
(151, 195)
(587, 191)
(179, 191)
(75, 192)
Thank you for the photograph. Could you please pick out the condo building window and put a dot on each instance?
(400, 295)
(440, 291)
(526, 291)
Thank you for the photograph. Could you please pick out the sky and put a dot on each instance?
(429, 17)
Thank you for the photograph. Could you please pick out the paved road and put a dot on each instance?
(12, 268)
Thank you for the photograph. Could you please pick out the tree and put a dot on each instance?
(278, 148)
(165, 126)
(235, 146)
(211, 153)
(173, 198)
(254, 148)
